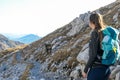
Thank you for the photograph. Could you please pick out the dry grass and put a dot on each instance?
(61, 55)
(53, 69)
(108, 18)
(14, 59)
(72, 62)
(9, 50)
(42, 58)
(24, 76)
(50, 63)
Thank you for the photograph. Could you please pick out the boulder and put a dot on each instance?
(76, 73)
(115, 17)
(83, 55)
(77, 25)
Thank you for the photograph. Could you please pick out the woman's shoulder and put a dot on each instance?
(94, 33)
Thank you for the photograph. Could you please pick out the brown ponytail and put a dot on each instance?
(97, 20)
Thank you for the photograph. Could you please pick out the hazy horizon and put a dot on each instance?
(17, 36)
(41, 17)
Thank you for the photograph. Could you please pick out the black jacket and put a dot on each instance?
(95, 51)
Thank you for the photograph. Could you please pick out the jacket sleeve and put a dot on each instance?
(93, 46)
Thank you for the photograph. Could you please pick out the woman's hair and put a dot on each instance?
(97, 20)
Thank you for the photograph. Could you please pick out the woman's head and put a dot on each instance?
(96, 21)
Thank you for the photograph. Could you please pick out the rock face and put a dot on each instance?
(83, 55)
(117, 0)
(78, 24)
(6, 43)
(68, 55)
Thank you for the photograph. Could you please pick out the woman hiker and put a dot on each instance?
(95, 70)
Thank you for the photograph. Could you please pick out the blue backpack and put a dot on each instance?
(110, 46)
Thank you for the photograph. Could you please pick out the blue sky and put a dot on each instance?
(42, 16)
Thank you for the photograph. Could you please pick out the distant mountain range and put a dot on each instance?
(6, 43)
(23, 38)
(27, 39)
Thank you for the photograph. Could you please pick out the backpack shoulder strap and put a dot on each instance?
(106, 31)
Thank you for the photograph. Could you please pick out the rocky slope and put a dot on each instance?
(61, 55)
(6, 43)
